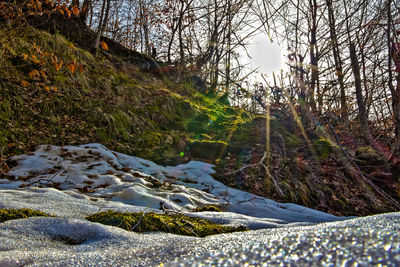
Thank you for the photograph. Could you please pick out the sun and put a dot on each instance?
(265, 56)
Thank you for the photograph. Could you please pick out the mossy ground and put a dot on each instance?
(171, 223)
(109, 102)
(13, 214)
(208, 208)
(140, 222)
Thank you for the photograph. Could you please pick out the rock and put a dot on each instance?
(207, 149)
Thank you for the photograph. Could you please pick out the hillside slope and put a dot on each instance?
(53, 91)
(111, 102)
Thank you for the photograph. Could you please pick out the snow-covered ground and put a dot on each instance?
(96, 177)
(72, 182)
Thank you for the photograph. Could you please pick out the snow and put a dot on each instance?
(94, 171)
(72, 182)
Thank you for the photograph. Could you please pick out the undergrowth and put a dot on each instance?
(170, 223)
(139, 222)
(14, 214)
(123, 108)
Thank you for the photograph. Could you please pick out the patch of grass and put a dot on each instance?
(13, 214)
(323, 148)
(208, 208)
(170, 223)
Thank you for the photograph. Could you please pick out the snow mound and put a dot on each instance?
(95, 177)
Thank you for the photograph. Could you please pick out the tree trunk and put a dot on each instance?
(100, 27)
(395, 92)
(171, 41)
(338, 62)
(228, 50)
(313, 53)
(83, 15)
(180, 37)
(362, 113)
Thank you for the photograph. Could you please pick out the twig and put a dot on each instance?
(282, 141)
(248, 200)
(137, 224)
(261, 162)
(273, 181)
(249, 166)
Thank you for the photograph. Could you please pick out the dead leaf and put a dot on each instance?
(35, 59)
(24, 83)
(58, 65)
(71, 68)
(34, 73)
(75, 10)
(9, 145)
(80, 68)
(104, 45)
(43, 74)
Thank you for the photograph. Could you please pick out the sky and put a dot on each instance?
(266, 56)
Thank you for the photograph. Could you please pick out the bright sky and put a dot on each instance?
(265, 56)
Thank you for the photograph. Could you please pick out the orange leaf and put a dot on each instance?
(53, 88)
(58, 66)
(80, 68)
(24, 83)
(25, 56)
(34, 73)
(46, 88)
(11, 145)
(43, 74)
(75, 10)
(71, 68)
(104, 45)
(35, 59)
(61, 11)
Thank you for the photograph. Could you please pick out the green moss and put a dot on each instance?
(323, 148)
(366, 152)
(207, 149)
(198, 124)
(151, 139)
(149, 222)
(13, 214)
(208, 208)
(291, 140)
(119, 106)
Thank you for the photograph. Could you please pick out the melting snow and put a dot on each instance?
(94, 172)
(72, 182)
